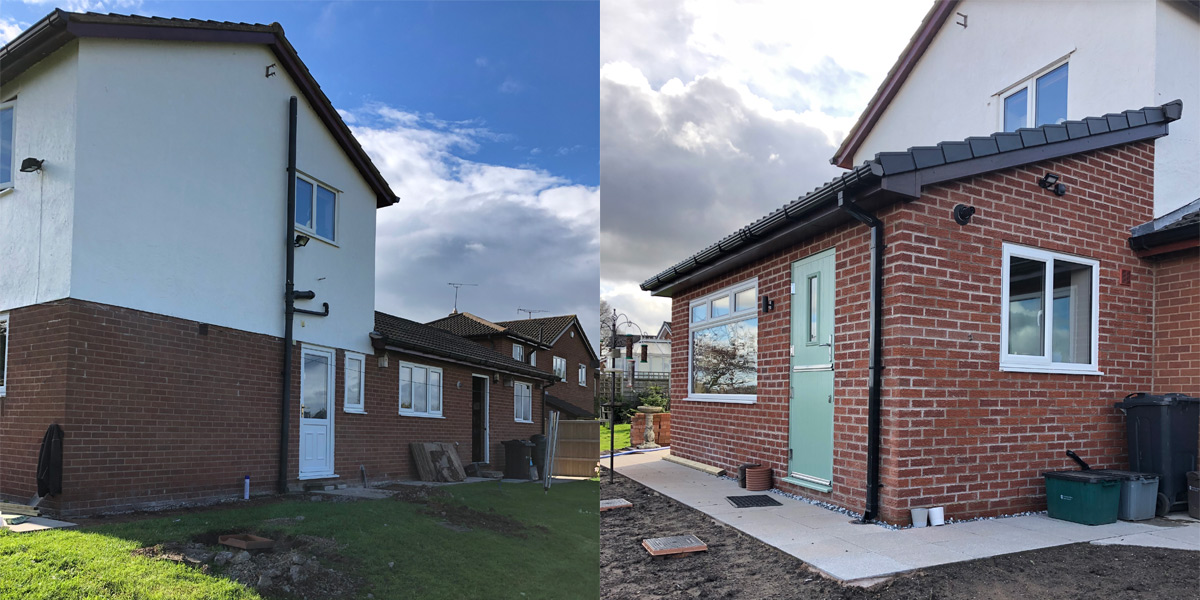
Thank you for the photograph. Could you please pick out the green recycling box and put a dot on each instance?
(1085, 497)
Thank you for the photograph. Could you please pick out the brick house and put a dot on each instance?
(557, 344)
(937, 326)
(155, 334)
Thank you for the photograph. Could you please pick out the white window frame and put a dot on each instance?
(4, 354)
(709, 321)
(359, 405)
(1045, 364)
(583, 375)
(1029, 84)
(560, 362)
(520, 403)
(533, 358)
(518, 352)
(7, 185)
(413, 412)
(337, 209)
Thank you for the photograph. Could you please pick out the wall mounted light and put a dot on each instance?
(1049, 181)
(301, 240)
(963, 213)
(767, 304)
(32, 165)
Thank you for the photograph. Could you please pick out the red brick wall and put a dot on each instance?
(574, 350)
(957, 431)
(662, 429)
(155, 413)
(1177, 323)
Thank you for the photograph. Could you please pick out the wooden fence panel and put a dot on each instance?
(578, 448)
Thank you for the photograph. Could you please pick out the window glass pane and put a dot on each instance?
(420, 389)
(435, 392)
(699, 312)
(406, 388)
(354, 382)
(744, 300)
(4, 350)
(1016, 110)
(814, 305)
(518, 352)
(1026, 306)
(1072, 333)
(6, 145)
(720, 307)
(326, 201)
(582, 369)
(725, 358)
(304, 191)
(316, 386)
(1051, 97)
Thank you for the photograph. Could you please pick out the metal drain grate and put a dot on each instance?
(678, 544)
(752, 501)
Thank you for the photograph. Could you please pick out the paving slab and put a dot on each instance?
(38, 524)
(830, 542)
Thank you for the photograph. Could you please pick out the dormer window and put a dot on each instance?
(316, 208)
(1039, 100)
(518, 353)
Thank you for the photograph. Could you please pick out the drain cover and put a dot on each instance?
(752, 501)
(678, 544)
(614, 503)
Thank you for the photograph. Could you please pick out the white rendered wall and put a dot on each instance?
(952, 92)
(1177, 75)
(36, 214)
(181, 193)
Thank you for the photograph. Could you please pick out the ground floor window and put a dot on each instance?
(1049, 316)
(355, 375)
(420, 390)
(3, 353)
(723, 353)
(523, 402)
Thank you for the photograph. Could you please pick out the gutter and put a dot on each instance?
(875, 358)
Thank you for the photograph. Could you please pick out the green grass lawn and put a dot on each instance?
(560, 559)
(622, 440)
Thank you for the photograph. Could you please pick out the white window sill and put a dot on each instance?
(722, 399)
(306, 476)
(6, 191)
(520, 421)
(352, 411)
(1051, 369)
(421, 416)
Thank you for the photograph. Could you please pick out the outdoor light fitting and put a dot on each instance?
(963, 213)
(1049, 181)
(31, 165)
(301, 240)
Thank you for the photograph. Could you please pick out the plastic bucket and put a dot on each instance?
(920, 517)
(937, 516)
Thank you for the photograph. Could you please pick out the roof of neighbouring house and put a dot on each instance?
(1175, 230)
(892, 176)
(60, 27)
(566, 407)
(549, 329)
(409, 336)
(468, 325)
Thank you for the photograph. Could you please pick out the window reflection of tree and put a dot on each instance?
(725, 359)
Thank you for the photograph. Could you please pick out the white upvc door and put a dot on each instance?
(316, 412)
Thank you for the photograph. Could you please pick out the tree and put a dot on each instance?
(606, 321)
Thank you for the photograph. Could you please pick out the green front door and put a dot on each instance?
(810, 430)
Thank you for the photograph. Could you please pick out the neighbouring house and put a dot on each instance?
(557, 344)
(974, 67)
(488, 397)
(936, 327)
(157, 334)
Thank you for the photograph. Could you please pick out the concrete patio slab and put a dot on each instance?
(828, 541)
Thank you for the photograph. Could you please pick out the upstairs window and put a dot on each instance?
(583, 375)
(560, 368)
(7, 167)
(316, 208)
(518, 353)
(723, 362)
(1050, 309)
(1039, 100)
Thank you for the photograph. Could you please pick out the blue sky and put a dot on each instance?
(484, 118)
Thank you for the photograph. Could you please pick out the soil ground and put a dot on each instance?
(739, 566)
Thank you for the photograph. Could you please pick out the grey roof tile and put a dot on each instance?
(1031, 136)
(1007, 142)
(956, 151)
(927, 156)
(1055, 133)
(1096, 125)
(983, 146)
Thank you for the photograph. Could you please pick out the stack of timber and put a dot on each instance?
(437, 461)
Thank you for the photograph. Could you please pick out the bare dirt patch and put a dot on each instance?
(739, 566)
(293, 569)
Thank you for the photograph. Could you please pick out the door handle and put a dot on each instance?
(830, 346)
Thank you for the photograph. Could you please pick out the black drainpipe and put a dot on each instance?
(289, 303)
(875, 359)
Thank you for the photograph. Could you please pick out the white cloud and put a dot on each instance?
(90, 5)
(511, 86)
(10, 29)
(526, 236)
